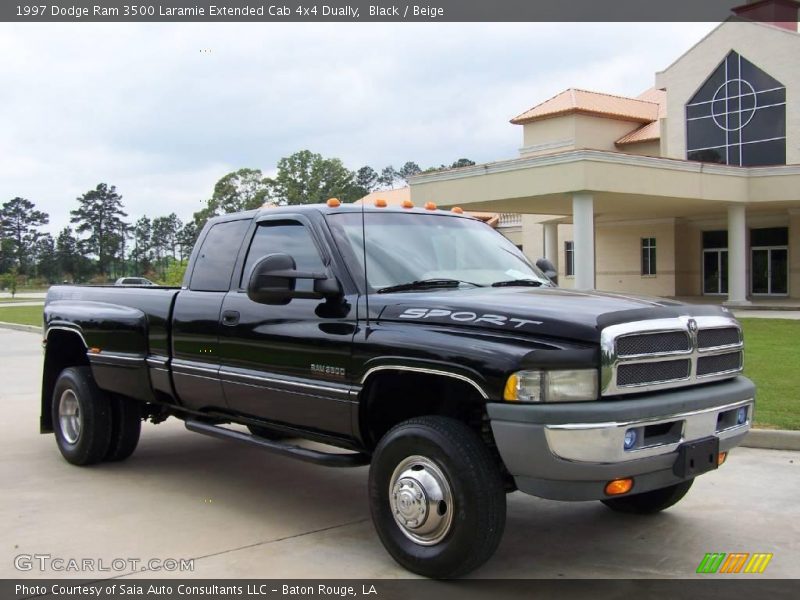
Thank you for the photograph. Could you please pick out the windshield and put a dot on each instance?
(412, 247)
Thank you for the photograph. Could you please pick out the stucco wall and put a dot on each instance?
(794, 255)
(776, 51)
(652, 148)
(546, 136)
(688, 259)
(598, 133)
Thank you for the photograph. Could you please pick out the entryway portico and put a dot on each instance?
(593, 187)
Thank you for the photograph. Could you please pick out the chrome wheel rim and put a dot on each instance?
(421, 500)
(69, 416)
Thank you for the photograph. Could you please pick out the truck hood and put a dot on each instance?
(552, 312)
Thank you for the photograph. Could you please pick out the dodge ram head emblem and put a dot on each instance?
(692, 325)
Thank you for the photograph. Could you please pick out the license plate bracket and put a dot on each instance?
(697, 457)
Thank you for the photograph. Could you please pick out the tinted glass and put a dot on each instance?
(715, 239)
(214, 263)
(737, 117)
(770, 236)
(287, 237)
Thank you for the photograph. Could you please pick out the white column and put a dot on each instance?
(737, 255)
(551, 243)
(583, 229)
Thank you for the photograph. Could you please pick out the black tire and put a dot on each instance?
(478, 500)
(652, 502)
(126, 426)
(84, 439)
(267, 433)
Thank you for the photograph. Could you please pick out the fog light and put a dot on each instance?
(619, 486)
(630, 439)
(721, 458)
(741, 415)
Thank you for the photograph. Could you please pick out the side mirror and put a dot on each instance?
(548, 268)
(274, 279)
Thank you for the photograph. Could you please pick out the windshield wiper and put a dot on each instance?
(521, 282)
(425, 284)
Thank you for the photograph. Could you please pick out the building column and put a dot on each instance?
(583, 229)
(551, 243)
(737, 255)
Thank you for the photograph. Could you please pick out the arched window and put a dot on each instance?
(737, 117)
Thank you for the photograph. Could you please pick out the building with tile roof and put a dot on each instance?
(692, 188)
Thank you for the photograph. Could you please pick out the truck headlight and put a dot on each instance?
(572, 385)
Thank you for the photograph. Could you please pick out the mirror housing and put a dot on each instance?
(274, 279)
(548, 268)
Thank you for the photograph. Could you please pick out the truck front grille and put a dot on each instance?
(641, 373)
(666, 353)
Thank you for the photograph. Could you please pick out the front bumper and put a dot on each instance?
(570, 451)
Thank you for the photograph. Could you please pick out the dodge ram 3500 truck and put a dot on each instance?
(416, 340)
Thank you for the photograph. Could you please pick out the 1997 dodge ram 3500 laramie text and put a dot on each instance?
(421, 342)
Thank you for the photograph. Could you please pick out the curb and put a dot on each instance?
(20, 327)
(772, 439)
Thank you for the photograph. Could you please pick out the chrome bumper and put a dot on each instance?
(604, 442)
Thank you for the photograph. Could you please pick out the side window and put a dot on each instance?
(569, 258)
(214, 264)
(287, 237)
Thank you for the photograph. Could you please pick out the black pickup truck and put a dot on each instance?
(416, 340)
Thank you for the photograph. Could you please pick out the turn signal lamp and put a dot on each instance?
(458, 210)
(721, 458)
(94, 350)
(333, 203)
(380, 203)
(407, 204)
(619, 486)
(430, 206)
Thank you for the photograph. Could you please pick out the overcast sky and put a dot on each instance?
(164, 110)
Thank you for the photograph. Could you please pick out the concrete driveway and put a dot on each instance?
(239, 512)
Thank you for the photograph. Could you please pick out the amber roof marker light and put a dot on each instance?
(407, 204)
(430, 206)
(458, 210)
(333, 203)
(380, 203)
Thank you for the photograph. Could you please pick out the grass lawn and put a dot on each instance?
(25, 315)
(772, 361)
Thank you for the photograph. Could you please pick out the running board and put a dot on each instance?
(328, 459)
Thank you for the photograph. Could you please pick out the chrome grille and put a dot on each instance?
(719, 363)
(712, 338)
(640, 373)
(653, 343)
(666, 353)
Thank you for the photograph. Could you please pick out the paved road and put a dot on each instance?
(244, 513)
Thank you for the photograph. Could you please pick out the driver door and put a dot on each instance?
(288, 363)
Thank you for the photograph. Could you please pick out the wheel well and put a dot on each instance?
(63, 349)
(390, 397)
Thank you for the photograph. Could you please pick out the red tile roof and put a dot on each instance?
(591, 103)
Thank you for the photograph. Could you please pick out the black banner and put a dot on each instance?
(419, 589)
(36, 11)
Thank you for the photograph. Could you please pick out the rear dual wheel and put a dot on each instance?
(90, 425)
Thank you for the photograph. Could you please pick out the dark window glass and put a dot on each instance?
(287, 237)
(737, 117)
(770, 236)
(569, 258)
(648, 256)
(715, 239)
(214, 264)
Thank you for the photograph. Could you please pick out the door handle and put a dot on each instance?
(230, 318)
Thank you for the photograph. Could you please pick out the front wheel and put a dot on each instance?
(652, 502)
(436, 496)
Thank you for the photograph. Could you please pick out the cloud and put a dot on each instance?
(163, 110)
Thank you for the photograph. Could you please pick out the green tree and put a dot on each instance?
(165, 239)
(142, 252)
(388, 177)
(99, 214)
(19, 221)
(462, 162)
(187, 236)
(308, 178)
(46, 259)
(366, 180)
(240, 190)
(68, 255)
(408, 170)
